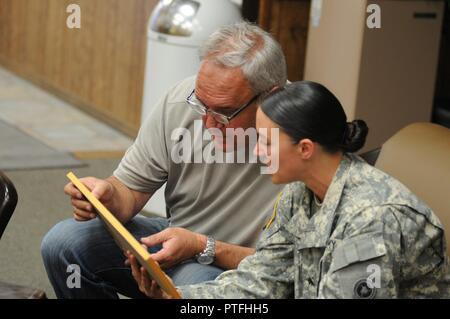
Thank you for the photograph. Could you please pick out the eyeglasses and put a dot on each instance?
(201, 109)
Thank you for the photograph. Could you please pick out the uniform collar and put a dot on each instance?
(314, 232)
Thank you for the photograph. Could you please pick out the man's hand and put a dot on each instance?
(82, 209)
(147, 286)
(178, 244)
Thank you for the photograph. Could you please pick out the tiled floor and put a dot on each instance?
(62, 126)
(53, 121)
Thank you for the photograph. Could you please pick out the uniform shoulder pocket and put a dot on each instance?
(358, 249)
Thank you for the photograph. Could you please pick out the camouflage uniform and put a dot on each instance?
(371, 238)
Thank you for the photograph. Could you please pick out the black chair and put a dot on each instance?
(371, 156)
(8, 202)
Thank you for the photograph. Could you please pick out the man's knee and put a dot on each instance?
(65, 238)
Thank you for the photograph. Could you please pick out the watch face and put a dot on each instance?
(205, 259)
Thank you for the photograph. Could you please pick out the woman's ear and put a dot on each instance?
(306, 148)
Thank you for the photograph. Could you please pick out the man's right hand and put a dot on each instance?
(82, 209)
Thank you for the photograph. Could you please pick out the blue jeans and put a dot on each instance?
(102, 270)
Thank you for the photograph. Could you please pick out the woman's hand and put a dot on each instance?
(147, 286)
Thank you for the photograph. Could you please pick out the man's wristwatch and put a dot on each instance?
(206, 257)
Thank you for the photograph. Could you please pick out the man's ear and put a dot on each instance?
(306, 148)
(266, 94)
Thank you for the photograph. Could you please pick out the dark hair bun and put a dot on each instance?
(355, 136)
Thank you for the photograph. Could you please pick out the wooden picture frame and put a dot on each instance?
(125, 239)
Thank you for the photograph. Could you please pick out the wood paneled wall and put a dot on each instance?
(99, 68)
(288, 22)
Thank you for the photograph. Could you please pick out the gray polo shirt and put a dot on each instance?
(229, 201)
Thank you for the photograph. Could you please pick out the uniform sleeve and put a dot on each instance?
(269, 273)
(366, 263)
(384, 249)
(145, 164)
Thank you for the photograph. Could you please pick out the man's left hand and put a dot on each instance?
(178, 244)
(147, 286)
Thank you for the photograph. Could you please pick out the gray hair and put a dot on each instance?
(250, 48)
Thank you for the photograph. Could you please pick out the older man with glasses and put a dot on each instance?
(214, 209)
(220, 118)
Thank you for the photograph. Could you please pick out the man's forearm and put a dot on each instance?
(122, 204)
(228, 256)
